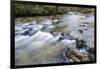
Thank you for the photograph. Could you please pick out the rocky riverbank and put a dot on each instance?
(65, 39)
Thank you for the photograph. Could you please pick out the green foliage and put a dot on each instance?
(34, 9)
(37, 9)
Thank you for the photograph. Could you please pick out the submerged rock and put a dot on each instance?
(80, 43)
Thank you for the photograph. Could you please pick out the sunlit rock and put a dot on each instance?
(45, 22)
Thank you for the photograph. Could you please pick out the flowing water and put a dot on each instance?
(45, 41)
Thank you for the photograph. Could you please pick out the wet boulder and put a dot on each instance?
(80, 43)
